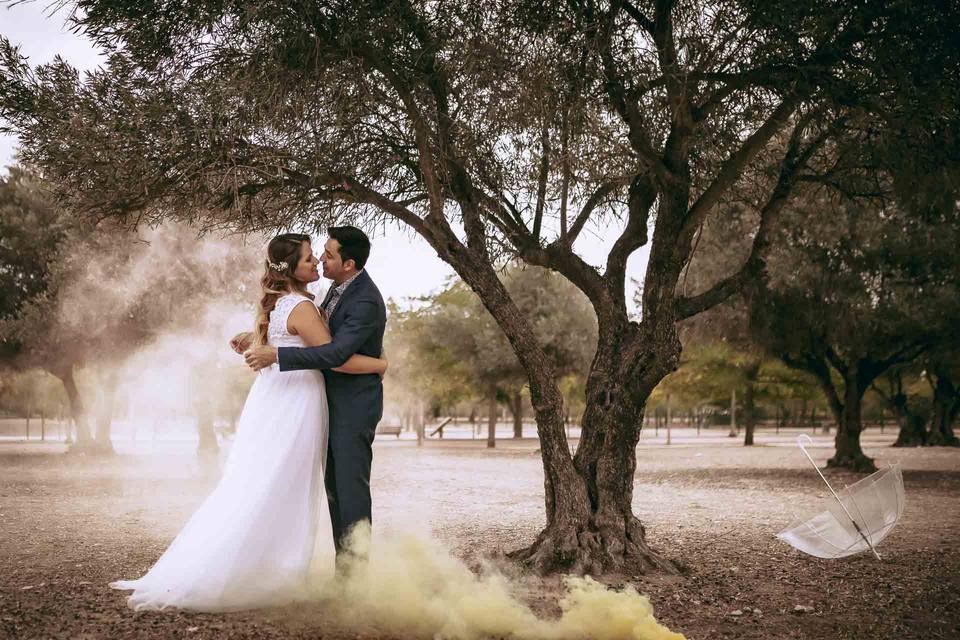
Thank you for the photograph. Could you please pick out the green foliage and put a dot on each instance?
(869, 284)
(78, 294)
(710, 371)
(77, 291)
(32, 392)
(448, 348)
(31, 230)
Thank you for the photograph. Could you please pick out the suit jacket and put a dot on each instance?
(357, 326)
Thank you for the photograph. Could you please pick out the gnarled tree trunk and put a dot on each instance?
(849, 454)
(598, 531)
(77, 411)
(913, 432)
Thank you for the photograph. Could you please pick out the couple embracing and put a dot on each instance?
(307, 425)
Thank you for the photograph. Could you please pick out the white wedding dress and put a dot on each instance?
(252, 541)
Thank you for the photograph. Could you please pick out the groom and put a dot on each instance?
(357, 318)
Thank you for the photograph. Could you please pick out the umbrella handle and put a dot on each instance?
(803, 440)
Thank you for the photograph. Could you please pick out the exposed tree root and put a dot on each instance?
(588, 551)
(854, 462)
(940, 439)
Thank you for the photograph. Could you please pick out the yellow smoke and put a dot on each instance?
(412, 586)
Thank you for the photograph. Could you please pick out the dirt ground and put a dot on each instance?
(70, 524)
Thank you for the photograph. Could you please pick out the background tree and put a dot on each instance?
(711, 372)
(83, 295)
(490, 129)
(30, 230)
(943, 373)
(419, 379)
(457, 333)
(902, 388)
(851, 298)
(34, 230)
(456, 336)
(30, 394)
(721, 352)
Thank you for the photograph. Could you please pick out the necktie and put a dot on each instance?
(332, 303)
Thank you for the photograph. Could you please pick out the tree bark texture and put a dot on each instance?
(733, 414)
(946, 406)
(849, 454)
(751, 373)
(596, 531)
(77, 411)
(913, 432)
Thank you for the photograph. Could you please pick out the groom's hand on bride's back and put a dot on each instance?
(241, 342)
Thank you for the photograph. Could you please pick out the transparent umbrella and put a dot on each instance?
(855, 519)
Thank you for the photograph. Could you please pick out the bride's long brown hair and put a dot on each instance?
(283, 256)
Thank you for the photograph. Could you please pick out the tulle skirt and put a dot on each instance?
(253, 540)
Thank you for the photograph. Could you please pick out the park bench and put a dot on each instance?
(389, 430)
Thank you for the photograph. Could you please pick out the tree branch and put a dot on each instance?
(836, 361)
(827, 53)
(909, 352)
(794, 159)
(421, 129)
(667, 54)
(565, 170)
(734, 165)
(601, 192)
(642, 194)
(818, 368)
(620, 97)
(645, 23)
(559, 257)
(542, 180)
(734, 82)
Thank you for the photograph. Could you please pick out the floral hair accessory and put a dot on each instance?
(278, 266)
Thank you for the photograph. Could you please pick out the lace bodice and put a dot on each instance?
(277, 334)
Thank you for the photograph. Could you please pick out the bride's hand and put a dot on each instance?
(241, 342)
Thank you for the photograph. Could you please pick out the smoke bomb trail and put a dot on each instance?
(411, 586)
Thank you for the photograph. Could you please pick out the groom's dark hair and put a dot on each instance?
(354, 244)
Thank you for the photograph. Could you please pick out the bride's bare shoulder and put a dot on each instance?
(304, 316)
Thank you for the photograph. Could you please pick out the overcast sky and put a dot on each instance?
(401, 263)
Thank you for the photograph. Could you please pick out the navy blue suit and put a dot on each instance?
(355, 401)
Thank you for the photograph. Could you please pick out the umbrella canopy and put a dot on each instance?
(854, 519)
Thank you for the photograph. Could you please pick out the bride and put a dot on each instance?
(251, 542)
